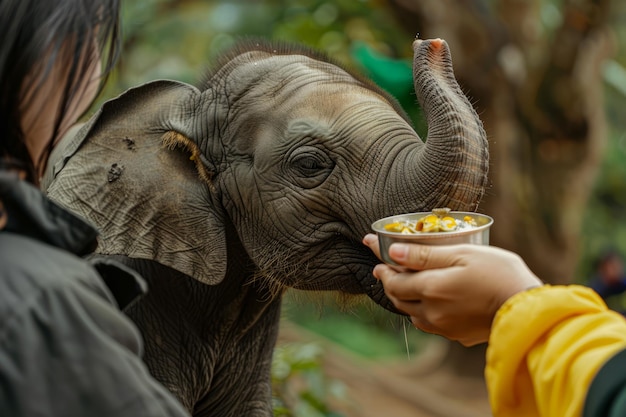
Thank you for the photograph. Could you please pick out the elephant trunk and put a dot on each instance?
(450, 169)
(454, 164)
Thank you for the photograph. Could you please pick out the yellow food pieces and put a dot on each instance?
(399, 227)
(429, 224)
(469, 220)
(447, 224)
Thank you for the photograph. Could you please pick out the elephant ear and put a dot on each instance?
(139, 180)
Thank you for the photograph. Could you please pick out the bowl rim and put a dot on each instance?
(377, 225)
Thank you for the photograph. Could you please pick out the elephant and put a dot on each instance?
(263, 177)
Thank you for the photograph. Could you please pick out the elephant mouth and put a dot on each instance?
(360, 265)
(353, 271)
(374, 288)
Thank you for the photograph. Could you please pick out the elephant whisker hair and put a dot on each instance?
(277, 272)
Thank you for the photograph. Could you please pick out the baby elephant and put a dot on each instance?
(264, 177)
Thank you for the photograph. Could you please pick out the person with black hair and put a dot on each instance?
(609, 279)
(66, 349)
(553, 350)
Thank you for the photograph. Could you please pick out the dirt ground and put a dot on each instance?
(418, 387)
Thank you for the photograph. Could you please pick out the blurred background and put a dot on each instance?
(548, 79)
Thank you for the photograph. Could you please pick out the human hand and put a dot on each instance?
(453, 291)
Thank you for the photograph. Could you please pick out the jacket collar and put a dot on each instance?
(32, 214)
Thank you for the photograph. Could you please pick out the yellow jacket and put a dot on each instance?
(546, 347)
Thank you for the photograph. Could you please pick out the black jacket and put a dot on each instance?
(65, 348)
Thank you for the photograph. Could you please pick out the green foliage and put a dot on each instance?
(299, 386)
(179, 39)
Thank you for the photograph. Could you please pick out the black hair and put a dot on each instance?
(607, 255)
(34, 34)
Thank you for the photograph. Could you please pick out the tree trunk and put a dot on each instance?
(538, 91)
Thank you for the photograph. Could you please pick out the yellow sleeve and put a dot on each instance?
(546, 345)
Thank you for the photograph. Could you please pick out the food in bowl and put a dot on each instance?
(441, 226)
(437, 221)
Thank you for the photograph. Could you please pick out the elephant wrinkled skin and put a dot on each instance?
(264, 177)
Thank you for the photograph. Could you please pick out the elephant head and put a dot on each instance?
(300, 155)
(269, 173)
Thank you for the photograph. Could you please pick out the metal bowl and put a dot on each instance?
(478, 234)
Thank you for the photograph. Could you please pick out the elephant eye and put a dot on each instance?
(310, 166)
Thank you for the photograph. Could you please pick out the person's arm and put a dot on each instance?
(69, 352)
(545, 348)
(545, 343)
